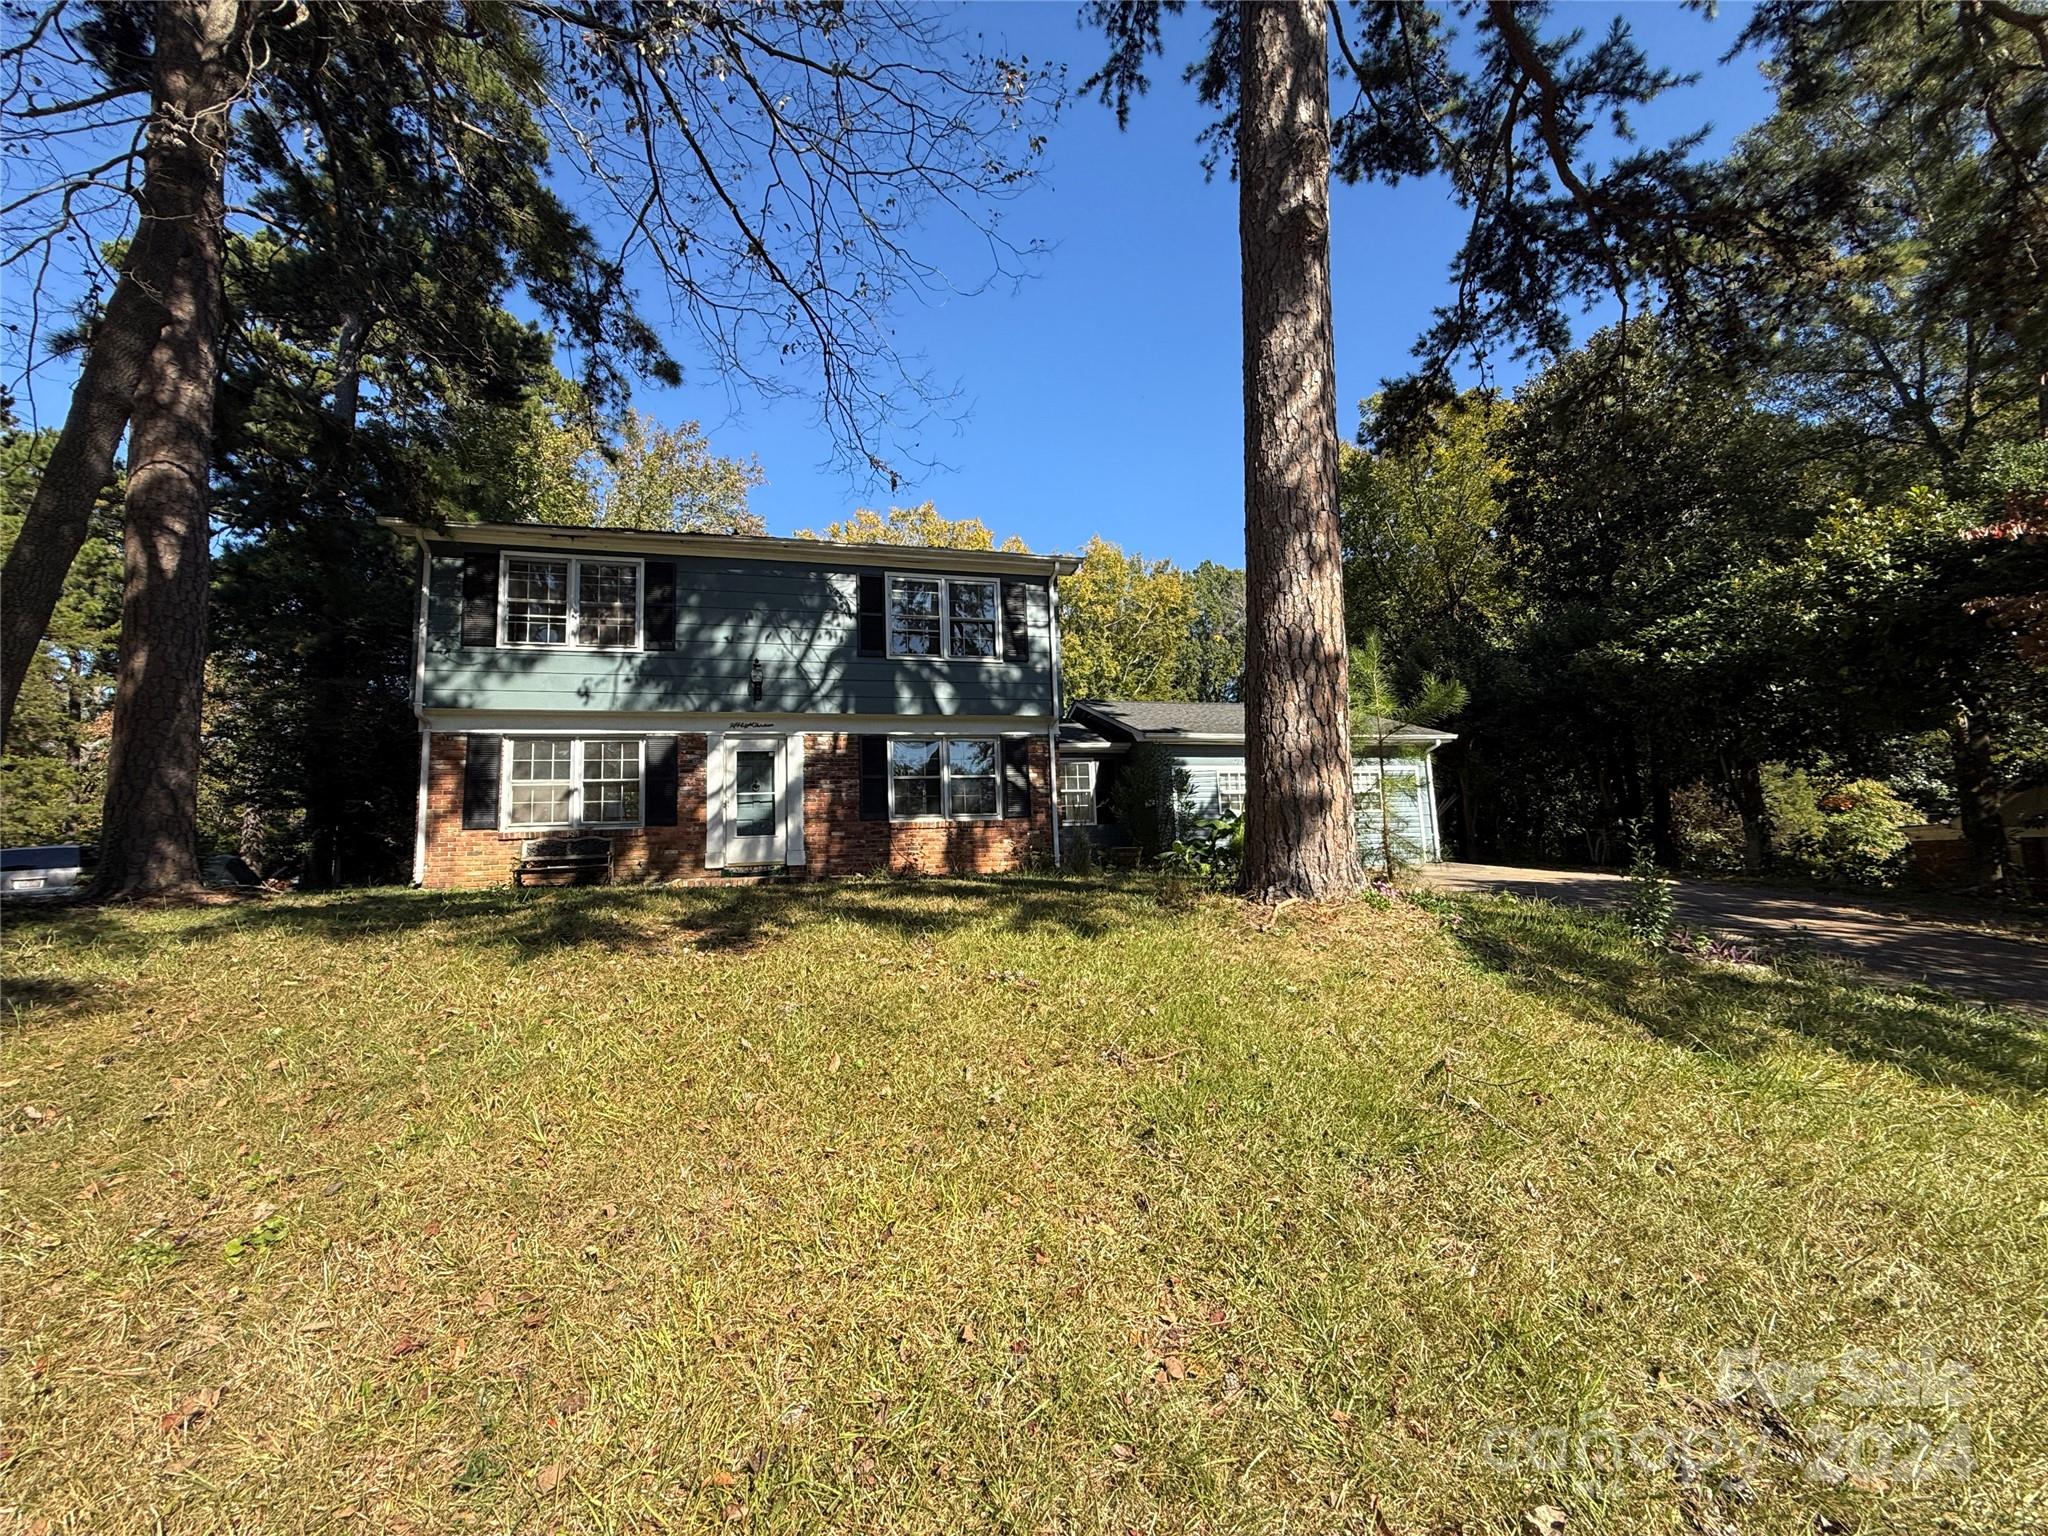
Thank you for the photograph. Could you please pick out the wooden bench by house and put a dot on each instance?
(564, 861)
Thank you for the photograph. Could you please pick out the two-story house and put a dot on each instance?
(719, 704)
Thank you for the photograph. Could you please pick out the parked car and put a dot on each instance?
(45, 871)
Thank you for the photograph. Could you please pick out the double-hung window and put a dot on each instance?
(536, 601)
(563, 781)
(562, 600)
(1077, 791)
(1230, 791)
(958, 617)
(971, 619)
(957, 778)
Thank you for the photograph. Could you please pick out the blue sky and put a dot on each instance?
(1103, 394)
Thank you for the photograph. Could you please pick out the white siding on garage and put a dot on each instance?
(1202, 802)
(1411, 788)
(1411, 809)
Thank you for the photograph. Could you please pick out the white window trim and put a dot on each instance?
(945, 585)
(575, 564)
(1223, 795)
(576, 823)
(945, 778)
(1061, 791)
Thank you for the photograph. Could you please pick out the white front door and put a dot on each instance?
(754, 800)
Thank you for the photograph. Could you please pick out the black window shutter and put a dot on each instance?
(480, 784)
(480, 599)
(874, 778)
(874, 631)
(1016, 621)
(660, 809)
(1016, 776)
(660, 599)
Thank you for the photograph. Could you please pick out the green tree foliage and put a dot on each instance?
(372, 370)
(1641, 485)
(1125, 626)
(641, 476)
(1424, 559)
(1892, 284)
(51, 774)
(1214, 660)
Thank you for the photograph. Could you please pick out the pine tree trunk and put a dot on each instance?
(1663, 825)
(1468, 817)
(1299, 839)
(149, 837)
(81, 462)
(1748, 786)
(1977, 795)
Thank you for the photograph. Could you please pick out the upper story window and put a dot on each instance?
(971, 619)
(945, 616)
(536, 602)
(562, 600)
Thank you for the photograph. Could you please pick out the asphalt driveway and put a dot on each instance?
(1991, 967)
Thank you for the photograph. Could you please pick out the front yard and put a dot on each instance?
(1012, 1205)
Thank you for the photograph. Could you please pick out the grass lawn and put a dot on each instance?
(1010, 1205)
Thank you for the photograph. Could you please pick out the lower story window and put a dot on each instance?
(954, 777)
(561, 781)
(1230, 791)
(1077, 792)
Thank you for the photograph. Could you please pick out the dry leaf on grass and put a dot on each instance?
(1546, 1520)
(550, 1476)
(191, 1410)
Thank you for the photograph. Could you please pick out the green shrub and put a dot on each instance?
(1211, 854)
(1836, 830)
(1833, 830)
(1649, 900)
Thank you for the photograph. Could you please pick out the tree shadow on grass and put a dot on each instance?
(657, 920)
(18, 994)
(1740, 1012)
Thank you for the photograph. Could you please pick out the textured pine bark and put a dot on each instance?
(1977, 797)
(1299, 840)
(80, 465)
(149, 842)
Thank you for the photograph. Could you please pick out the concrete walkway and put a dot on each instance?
(1989, 967)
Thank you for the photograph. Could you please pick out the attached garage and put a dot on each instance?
(1178, 763)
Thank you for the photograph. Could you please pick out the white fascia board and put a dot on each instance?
(740, 546)
(680, 722)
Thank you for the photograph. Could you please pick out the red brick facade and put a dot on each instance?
(836, 840)
(460, 858)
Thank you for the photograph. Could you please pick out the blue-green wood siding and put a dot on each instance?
(799, 620)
